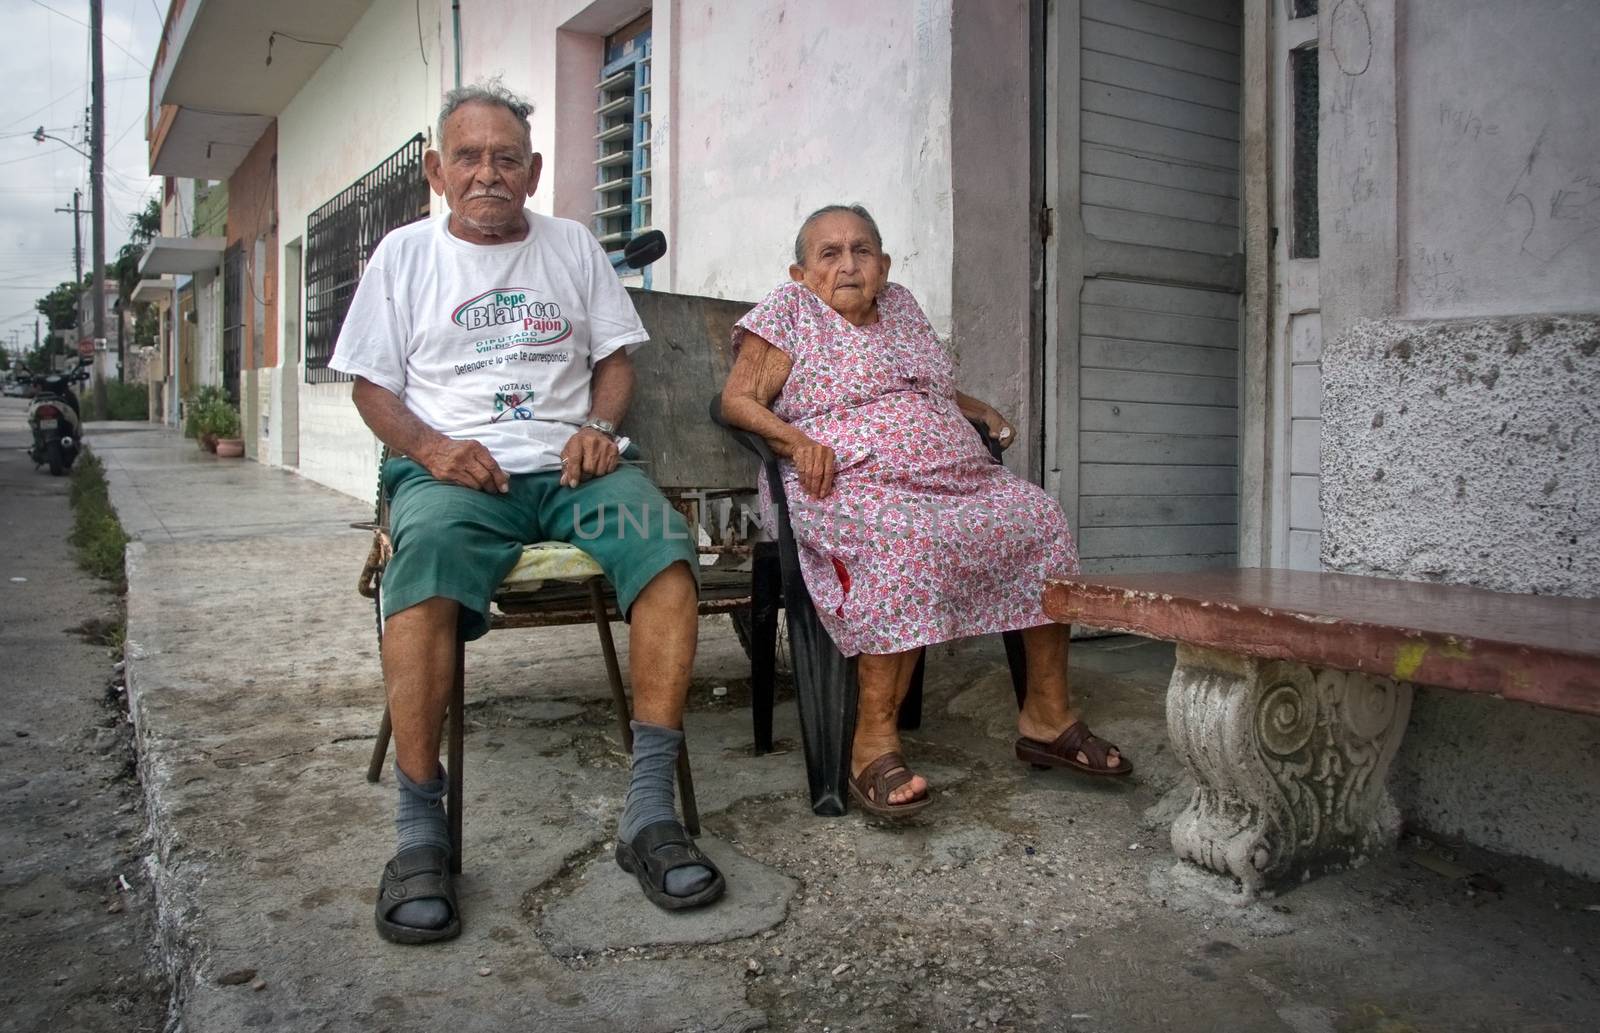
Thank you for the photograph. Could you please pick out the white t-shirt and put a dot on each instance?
(492, 343)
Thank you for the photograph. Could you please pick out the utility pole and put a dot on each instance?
(97, 166)
(77, 236)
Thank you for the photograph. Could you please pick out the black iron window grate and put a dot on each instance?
(232, 320)
(340, 238)
(1306, 239)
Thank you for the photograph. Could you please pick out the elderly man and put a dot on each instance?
(491, 354)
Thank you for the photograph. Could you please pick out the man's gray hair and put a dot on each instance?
(828, 209)
(489, 91)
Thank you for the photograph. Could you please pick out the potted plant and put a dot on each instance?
(225, 425)
(200, 412)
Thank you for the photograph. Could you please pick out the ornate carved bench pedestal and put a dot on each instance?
(1290, 762)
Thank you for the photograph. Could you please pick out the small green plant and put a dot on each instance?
(97, 534)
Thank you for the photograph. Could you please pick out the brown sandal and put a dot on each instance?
(1063, 753)
(881, 778)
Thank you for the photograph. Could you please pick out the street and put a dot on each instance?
(77, 905)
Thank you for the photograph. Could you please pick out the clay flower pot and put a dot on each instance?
(207, 441)
(230, 448)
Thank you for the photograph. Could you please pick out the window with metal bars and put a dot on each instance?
(232, 320)
(1304, 8)
(1305, 240)
(340, 238)
(622, 138)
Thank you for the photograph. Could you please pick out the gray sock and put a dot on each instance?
(650, 798)
(419, 820)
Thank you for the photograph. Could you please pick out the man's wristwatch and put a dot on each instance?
(605, 427)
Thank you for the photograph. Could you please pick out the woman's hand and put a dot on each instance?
(976, 409)
(999, 428)
(815, 465)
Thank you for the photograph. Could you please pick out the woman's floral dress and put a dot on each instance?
(924, 538)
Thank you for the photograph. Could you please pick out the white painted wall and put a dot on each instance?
(366, 100)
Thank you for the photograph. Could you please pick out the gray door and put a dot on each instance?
(1145, 370)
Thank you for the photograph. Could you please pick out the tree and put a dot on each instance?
(142, 229)
(60, 306)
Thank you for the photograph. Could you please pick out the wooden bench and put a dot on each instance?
(1292, 690)
(696, 466)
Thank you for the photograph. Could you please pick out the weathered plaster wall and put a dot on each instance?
(992, 227)
(1465, 452)
(1500, 157)
(1510, 776)
(1357, 162)
(1469, 452)
(761, 113)
(782, 108)
(365, 101)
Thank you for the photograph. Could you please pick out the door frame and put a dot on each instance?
(1069, 256)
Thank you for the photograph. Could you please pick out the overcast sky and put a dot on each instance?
(47, 83)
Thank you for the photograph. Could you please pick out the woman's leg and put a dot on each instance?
(1048, 710)
(883, 679)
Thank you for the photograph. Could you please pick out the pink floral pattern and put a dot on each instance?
(925, 538)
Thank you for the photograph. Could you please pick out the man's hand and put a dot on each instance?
(466, 463)
(815, 464)
(587, 454)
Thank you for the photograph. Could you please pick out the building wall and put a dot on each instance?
(1460, 177)
(993, 227)
(253, 213)
(1500, 161)
(365, 101)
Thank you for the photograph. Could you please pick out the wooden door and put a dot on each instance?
(1144, 368)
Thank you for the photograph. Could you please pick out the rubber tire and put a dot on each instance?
(56, 457)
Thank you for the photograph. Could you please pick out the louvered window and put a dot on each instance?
(622, 138)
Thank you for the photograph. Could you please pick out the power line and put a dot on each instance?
(133, 57)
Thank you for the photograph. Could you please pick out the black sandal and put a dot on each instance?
(659, 848)
(421, 873)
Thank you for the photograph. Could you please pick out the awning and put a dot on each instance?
(180, 256)
(154, 290)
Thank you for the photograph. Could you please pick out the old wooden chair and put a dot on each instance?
(695, 465)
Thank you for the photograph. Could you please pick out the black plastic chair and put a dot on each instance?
(825, 680)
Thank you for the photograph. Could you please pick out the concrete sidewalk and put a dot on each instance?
(1022, 900)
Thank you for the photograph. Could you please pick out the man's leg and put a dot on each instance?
(452, 546)
(664, 627)
(419, 659)
(644, 546)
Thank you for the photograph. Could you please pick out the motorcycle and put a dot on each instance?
(54, 419)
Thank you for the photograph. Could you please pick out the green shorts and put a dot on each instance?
(460, 543)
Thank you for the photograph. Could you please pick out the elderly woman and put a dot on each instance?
(909, 532)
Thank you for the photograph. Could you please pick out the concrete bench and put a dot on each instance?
(1292, 690)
